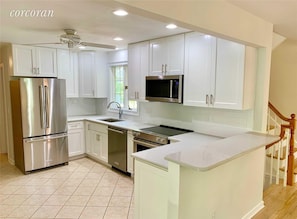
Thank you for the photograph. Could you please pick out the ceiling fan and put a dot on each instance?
(72, 39)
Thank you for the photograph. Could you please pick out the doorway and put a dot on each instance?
(3, 113)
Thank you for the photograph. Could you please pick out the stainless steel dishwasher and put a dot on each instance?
(117, 148)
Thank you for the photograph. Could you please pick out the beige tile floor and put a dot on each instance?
(82, 189)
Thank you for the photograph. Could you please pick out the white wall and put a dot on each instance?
(283, 82)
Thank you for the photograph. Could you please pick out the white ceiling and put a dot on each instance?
(95, 22)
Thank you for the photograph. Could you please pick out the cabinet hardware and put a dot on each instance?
(206, 100)
(211, 99)
(162, 68)
(165, 68)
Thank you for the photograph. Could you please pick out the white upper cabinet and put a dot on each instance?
(167, 55)
(200, 56)
(93, 78)
(138, 66)
(218, 73)
(67, 62)
(34, 61)
(87, 74)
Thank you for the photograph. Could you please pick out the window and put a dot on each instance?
(119, 87)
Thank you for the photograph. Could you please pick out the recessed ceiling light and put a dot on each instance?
(117, 38)
(81, 47)
(120, 12)
(171, 26)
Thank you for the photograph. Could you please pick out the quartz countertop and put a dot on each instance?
(125, 124)
(204, 152)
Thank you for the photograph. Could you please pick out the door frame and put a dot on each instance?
(4, 86)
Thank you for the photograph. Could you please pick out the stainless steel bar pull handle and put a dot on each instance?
(165, 68)
(211, 99)
(171, 85)
(162, 68)
(46, 106)
(207, 99)
(42, 106)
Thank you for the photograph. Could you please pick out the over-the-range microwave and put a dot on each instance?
(167, 88)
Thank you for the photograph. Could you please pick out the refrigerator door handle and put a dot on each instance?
(46, 106)
(45, 138)
(42, 106)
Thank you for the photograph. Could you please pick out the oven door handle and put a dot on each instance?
(147, 144)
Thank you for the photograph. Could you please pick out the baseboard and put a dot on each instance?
(254, 211)
(11, 161)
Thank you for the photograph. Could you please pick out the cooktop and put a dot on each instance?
(165, 130)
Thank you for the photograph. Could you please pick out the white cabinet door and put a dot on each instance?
(218, 73)
(46, 62)
(151, 191)
(101, 75)
(87, 74)
(23, 60)
(76, 138)
(175, 55)
(130, 150)
(93, 74)
(103, 147)
(34, 61)
(67, 69)
(97, 141)
(229, 75)
(138, 65)
(167, 55)
(200, 54)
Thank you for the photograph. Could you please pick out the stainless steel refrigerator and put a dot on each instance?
(39, 122)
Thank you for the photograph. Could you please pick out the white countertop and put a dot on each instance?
(204, 152)
(195, 150)
(125, 124)
(188, 142)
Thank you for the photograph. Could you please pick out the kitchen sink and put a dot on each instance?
(110, 120)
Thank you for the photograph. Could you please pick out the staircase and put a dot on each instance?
(280, 155)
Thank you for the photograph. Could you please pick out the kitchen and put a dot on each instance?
(159, 113)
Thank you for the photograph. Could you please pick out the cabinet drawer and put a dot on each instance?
(75, 125)
(97, 127)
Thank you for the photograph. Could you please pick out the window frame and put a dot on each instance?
(113, 107)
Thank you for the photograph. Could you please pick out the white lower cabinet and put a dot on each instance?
(97, 141)
(151, 188)
(130, 150)
(76, 138)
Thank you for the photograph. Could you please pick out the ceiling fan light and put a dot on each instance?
(120, 12)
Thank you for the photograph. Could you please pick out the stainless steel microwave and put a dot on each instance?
(164, 88)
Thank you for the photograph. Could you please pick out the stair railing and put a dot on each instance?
(286, 128)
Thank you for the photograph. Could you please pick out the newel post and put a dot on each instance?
(290, 179)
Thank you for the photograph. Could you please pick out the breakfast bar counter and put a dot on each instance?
(212, 178)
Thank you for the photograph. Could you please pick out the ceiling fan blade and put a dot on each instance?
(97, 45)
(34, 44)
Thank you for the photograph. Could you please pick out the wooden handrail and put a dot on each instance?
(291, 125)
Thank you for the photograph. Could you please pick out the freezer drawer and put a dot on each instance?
(45, 151)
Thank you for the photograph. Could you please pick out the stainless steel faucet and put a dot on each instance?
(119, 107)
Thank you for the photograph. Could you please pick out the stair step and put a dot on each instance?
(295, 167)
(276, 153)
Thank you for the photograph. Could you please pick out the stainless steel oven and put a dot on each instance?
(141, 142)
(156, 136)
